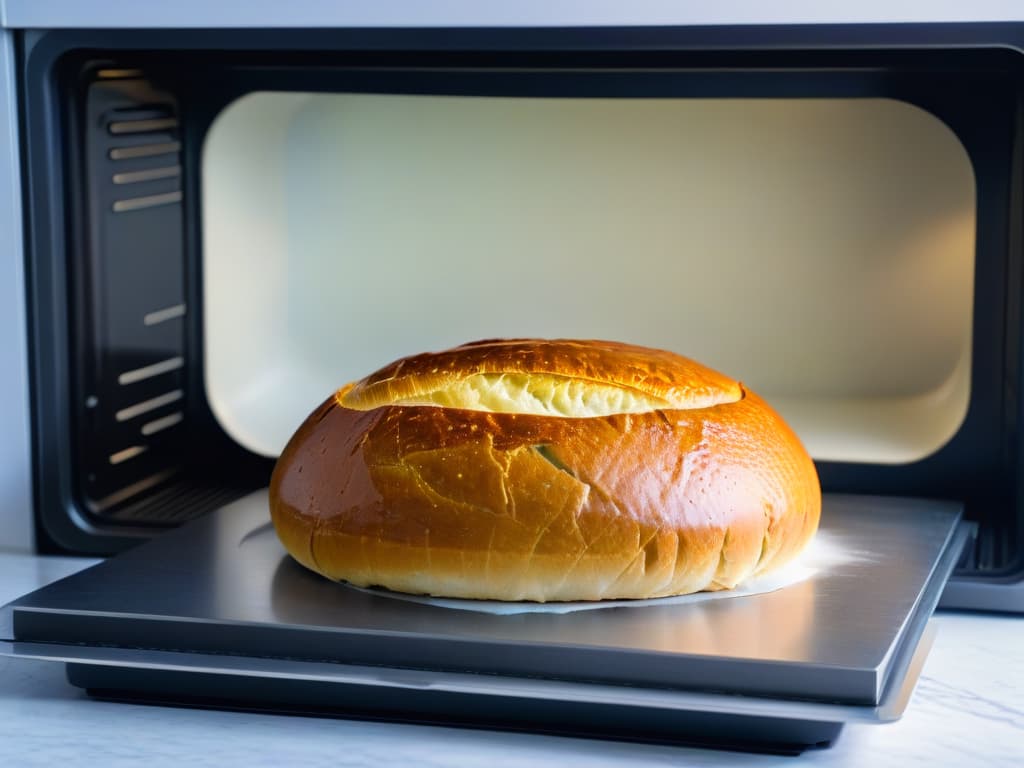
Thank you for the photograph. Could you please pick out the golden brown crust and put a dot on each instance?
(509, 506)
(667, 379)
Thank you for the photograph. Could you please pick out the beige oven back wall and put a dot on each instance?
(822, 251)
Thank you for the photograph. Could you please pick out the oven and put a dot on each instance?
(212, 226)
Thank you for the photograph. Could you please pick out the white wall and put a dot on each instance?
(15, 460)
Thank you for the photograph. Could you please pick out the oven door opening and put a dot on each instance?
(835, 230)
(819, 250)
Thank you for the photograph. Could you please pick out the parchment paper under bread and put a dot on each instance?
(825, 551)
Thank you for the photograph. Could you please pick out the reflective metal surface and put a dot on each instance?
(223, 584)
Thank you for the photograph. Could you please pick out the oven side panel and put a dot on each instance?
(15, 461)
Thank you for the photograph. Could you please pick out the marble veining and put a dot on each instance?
(968, 709)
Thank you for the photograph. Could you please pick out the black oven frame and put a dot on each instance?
(970, 76)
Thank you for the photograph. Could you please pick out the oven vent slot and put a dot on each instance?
(144, 125)
(163, 315)
(145, 150)
(149, 174)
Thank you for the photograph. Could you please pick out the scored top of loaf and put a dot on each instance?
(558, 377)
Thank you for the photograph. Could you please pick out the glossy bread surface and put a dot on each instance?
(467, 502)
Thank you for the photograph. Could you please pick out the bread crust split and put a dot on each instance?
(675, 480)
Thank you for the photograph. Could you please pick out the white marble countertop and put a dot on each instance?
(968, 710)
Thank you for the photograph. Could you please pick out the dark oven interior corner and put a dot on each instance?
(126, 441)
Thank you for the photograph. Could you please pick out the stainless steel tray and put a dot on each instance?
(216, 612)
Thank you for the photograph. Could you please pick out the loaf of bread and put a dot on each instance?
(545, 470)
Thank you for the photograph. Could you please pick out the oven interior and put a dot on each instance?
(220, 238)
